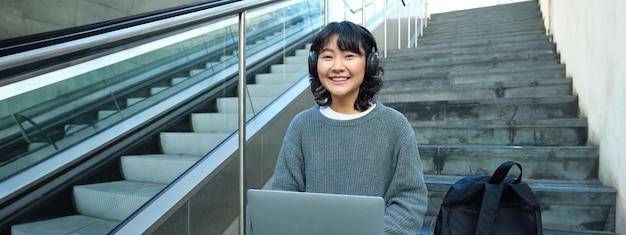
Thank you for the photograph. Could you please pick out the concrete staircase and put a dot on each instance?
(485, 86)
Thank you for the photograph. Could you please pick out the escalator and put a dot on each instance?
(130, 126)
(87, 145)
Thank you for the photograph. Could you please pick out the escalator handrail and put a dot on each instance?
(30, 42)
(110, 38)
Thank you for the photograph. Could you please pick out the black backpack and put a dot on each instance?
(483, 204)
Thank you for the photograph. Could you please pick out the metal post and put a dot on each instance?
(399, 25)
(426, 14)
(385, 30)
(363, 13)
(423, 19)
(326, 12)
(408, 25)
(242, 122)
(417, 7)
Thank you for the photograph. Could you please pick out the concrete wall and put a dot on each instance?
(590, 36)
(25, 17)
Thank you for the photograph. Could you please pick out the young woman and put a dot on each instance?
(348, 143)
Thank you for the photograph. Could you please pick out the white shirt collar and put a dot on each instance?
(332, 114)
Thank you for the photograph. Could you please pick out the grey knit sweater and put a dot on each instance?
(373, 155)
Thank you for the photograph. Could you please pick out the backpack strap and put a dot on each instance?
(503, 170)
(489, 208)
(491, 198)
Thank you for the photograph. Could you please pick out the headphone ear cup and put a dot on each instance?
(313, 63)
(371, 66)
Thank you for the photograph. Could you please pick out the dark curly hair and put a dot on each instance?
(351, 37)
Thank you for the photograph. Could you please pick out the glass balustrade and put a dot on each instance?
(59, 109)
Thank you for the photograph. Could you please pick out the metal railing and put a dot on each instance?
(414, 12)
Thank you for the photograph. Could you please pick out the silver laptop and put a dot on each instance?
(289, 213)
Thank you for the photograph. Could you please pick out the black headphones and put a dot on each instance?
(371, 63)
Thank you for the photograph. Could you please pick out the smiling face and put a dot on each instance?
(341, 72)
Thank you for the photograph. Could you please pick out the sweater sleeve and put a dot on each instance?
(407, 193)
(289, 170)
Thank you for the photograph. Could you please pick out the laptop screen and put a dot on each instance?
(282, 212)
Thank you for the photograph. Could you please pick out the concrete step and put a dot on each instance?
(480, 63)
(428, 228)
(536, 73)
(513, 55)
(454, 54)
(483, 60)
(476, 28)
(490, 109)
(540, 72)
(74, 224)
(113, 200)
(479, 35)
(404, 78)
(462, 39)
(502, 41)
(142, 168)
(470, 48)
(517, 17)
(544, 88)
(539, 132)
(563, 163)
(481, 23)
(512, 10)
(567, 206)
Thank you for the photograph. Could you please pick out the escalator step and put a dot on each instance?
(144, 168)
(272, 78)
(190, 143)
(113, 200)
(74, 224)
